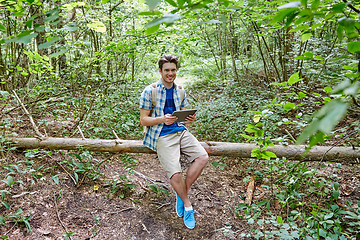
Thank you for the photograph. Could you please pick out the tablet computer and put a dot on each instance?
(183, 114)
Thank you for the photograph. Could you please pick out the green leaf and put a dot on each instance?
(9, 180)
(327, 89)
(294, 78)
(2, 220)
(309, 55)
(97, 26)
(172, 3)
(324, 120)
(58, 53)
(301, 94)
(315, 4)
(52, 15)
(49, 43)
(167, 18)
(338, 8)
(24, 37)
(152, 13)
(353, 89)
(55, 178)
(269, 155)
(152, 29)
(282, 15)
(306, 37)
(295, 4)
(331, 114)
(322, 233)
(152, 4)
(71, 27)
(181, 3)
(2, 28)
(289, 106)
(279, 220)
(354, 47)
(304, 3)
(340, 32)
(6, 205)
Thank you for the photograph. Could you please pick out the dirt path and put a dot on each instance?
(181, 81)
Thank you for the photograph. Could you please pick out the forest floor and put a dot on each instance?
(90, 211)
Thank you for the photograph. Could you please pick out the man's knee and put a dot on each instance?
(203, 160)
(176, 177)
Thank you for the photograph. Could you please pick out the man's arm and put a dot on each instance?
(147, 120)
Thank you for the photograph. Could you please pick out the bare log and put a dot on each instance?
(242, 150)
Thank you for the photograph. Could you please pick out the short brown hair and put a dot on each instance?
(168, 58)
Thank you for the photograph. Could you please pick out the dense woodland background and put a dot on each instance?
(266, 72)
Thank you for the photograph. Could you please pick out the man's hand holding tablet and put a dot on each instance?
(185, 115)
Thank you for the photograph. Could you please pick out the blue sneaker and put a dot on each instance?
(189, 219)
(179, 206)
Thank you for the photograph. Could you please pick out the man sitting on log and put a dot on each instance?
(170, 138)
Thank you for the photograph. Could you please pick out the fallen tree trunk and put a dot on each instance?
(243, 150)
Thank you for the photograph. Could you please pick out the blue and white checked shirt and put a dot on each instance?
(153, 132)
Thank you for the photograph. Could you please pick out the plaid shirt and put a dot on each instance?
(153, 132)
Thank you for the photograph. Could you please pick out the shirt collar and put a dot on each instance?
(160, 83)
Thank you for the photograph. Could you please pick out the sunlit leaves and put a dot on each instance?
(294, 78)
(306, 36)
(97, 26)
(353, 47)
(324, 120)
(71, 6)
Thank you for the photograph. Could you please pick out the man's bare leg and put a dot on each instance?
(195, 170)
(182, 186)
(178, 183)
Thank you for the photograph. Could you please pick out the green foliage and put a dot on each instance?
(158, 189)
(83, 165)
(18, 218)
(121, 186)
(220, 165)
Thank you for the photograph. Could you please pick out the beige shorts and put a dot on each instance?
(170, 146)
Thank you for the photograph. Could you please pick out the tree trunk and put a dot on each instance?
(243, 150)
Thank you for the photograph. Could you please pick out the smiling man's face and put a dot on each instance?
(168, 74)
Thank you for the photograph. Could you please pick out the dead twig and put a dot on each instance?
(122, 210)
(63, 169)
(81, 133)
(162, 205)
(22, 194)
(29, 115)
(150, 180)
